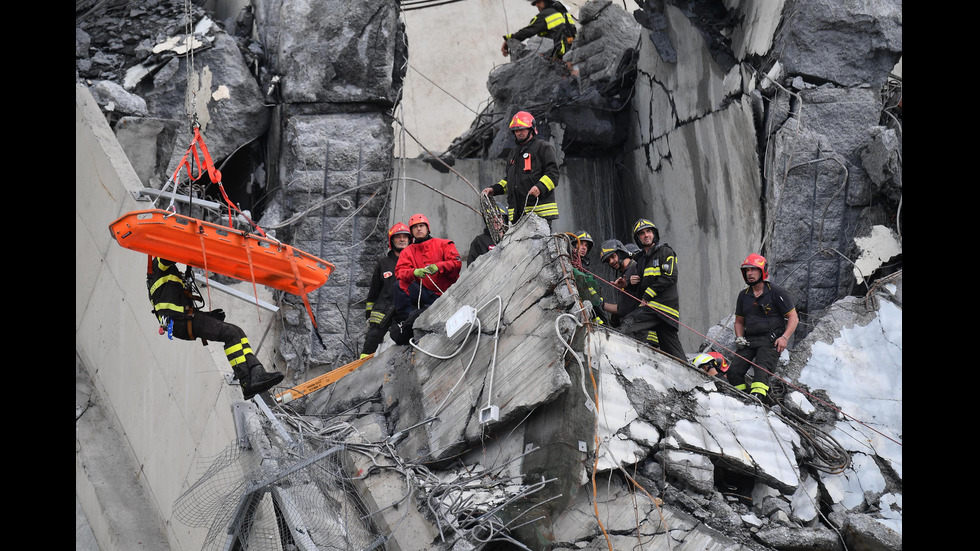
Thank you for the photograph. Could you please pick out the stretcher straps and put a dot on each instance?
(302, 292)
(204, 255)
(251, 272)
(199, 149)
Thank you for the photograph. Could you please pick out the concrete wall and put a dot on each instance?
(165, 406)
(451, 50)
(705, 203)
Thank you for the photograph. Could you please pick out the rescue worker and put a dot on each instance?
(655, 322)
(712, 363)
(552, 21)
(176, 309)
(585, 244)
(632, 250)
(425, 270)
(765, 319)
(614, 254)
(586, 283)
(532, 173)
(380, 308)
(484, 242)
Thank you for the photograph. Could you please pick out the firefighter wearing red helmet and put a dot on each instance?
(765, 320)
(713, 363)
(552, 21)
(380, 301)
(657, 321)
(425, 270)
(532, 173)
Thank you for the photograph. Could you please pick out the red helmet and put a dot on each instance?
(711, 359)
(398, 229)
(419, 219)
(523, 119)
(756, 261)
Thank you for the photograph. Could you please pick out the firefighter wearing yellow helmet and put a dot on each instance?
(765, 320)
(532, 173)
(657, 321)
(552, 21)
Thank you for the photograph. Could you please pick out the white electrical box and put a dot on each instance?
(459, 324)
(489, 413)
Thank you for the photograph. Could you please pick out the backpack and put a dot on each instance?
(568, 32)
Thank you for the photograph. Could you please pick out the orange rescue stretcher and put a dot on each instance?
(223, 250)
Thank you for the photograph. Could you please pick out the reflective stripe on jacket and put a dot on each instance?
(658, 283)
(533, 164)
(165, 286)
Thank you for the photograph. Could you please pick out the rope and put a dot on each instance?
(705, 337)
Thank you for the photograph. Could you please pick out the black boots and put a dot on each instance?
(257, 380)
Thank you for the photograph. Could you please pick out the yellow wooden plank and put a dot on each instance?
(327, 379)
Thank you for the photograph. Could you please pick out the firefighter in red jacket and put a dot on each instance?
(425, 270)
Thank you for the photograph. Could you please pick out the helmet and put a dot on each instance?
(419, 219)
(643, 224)
(397, 229)
(632, 249)
(611, 246)
(502, 211)
(711, 359)
(523, 119)
(584, 237)
(756, 261)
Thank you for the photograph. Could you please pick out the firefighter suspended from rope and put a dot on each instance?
(176, 308)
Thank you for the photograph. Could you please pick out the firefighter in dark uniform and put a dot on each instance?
(484, 242)
(380, 305)
(657, 321)
(616, 256)
(532, 173)
(765, 319)
(552, 21)
(176, 310)
(586, 283)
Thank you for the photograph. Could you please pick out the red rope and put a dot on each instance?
(644, 303)
(196, 151)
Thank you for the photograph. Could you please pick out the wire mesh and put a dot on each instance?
(293, 483)
(494, 216)
(283, 497)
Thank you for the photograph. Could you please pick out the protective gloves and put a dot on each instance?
(422, 272)
(741, 342)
